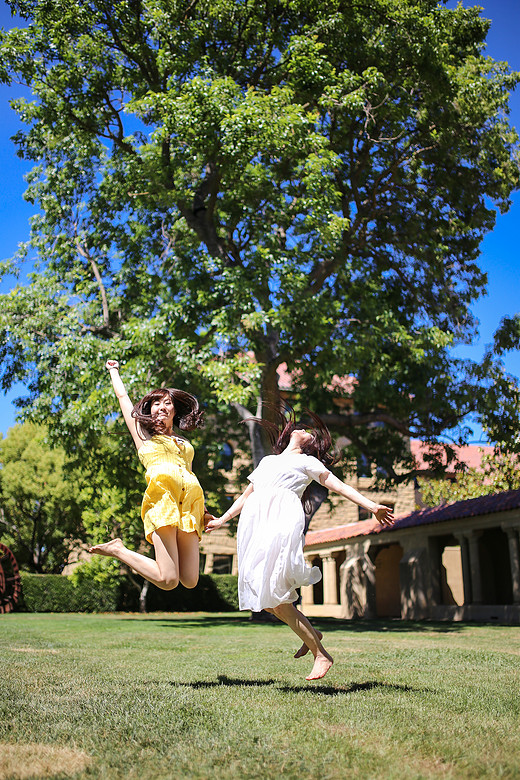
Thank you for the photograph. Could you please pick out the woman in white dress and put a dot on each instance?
(270, 538)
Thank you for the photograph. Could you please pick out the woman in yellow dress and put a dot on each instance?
(173, 504)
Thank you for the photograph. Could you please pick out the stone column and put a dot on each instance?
(413, 569)
(466, 568)
(474, 560)
(357, 574)
(514, 555)
(208, 565)
(330, 586)
(307, 593)
(234, 564)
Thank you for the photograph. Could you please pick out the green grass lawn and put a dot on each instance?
(217, 696)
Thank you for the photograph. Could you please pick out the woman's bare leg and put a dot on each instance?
(298, 623)
(163, 571)
(189, 566)
(304, 649)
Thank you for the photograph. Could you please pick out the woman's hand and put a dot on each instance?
(211, 523)
(111, 364)
(383, 514)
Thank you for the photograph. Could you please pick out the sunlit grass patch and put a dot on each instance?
(19, 761)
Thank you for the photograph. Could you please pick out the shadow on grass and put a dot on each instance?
(194, 620)
(389, 626)
(324, 690)
(327, 690)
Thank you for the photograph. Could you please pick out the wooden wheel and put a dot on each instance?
(10, 580)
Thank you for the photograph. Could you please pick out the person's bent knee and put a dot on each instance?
(169, 583)
(190, 582)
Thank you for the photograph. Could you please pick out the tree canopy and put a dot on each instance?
(40, 507)
(226, 187)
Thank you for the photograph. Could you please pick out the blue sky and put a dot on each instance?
(500, 257)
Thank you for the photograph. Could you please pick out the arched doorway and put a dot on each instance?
(495, 563)
(451, 574)
(388, 585)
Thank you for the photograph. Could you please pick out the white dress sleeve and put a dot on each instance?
(315, 468)
(254, 473)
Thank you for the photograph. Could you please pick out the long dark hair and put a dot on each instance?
(188, 414)
(279, 433)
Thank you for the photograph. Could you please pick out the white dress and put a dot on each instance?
(271, 565)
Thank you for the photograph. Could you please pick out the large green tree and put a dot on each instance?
(225, 187)
(40, 506)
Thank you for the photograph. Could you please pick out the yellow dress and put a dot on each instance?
(173, 495)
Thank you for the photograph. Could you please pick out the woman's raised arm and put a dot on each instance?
(125, 403)
(383, 514)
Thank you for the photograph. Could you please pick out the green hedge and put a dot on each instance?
(58, 593)
(214, 593)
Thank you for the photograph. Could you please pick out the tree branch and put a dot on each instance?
(354, 420)
(104, 302)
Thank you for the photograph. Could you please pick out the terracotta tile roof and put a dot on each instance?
(345, 384)
(362, 528)
(470, 454)
(484, 505)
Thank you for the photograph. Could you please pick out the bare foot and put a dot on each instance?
(304, 649)
(110, 548)
(322, 664)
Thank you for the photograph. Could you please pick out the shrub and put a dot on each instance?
(94, 588)
(56, 593)
(213, 593)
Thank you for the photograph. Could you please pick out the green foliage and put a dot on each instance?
(40, 513)
(299, 183)
(102, 571)
(498, 472)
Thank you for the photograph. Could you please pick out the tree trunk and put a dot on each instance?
(142, 596)
(255, 432)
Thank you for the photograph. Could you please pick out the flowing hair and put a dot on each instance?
(279, 434)
(188, 414)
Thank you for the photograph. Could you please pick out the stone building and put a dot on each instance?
(454, 562)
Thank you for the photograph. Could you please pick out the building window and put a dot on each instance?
(222, 564)
(363, 468)
(225, 458)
